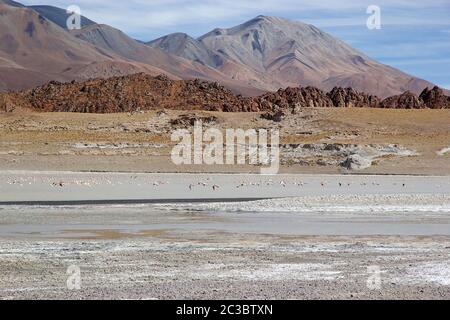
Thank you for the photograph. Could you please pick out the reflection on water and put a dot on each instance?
(142, 221)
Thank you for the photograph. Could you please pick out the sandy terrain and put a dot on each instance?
(141, 142)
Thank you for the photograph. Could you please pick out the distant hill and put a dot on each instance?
(276, 52)
(34, 50)
(260, 55)
(114, 40)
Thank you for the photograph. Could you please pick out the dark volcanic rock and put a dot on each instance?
(2, 102)
(189, 120)
(407, 100)
(293, 98)
(356, 162)
(276, 116)
(130, 93)
(6, 105)
(140, 92)
(435, 98)
(350, 98)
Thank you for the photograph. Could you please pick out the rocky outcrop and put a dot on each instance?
(130, 93)
(350, 98)
(407, 100)
(144, 92)
(276, 116)
(349, 156)
(357, 162)
(428, 99)
(6, 105)
(443, 151)
(435, 98)
(292, 99)
(140, 92)
(186, 121)
(2, 102)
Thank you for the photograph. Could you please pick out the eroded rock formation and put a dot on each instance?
(140, 92)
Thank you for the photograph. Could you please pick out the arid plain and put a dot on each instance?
(313, 141)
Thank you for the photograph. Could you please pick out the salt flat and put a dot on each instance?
(306, 237)
(75, 186)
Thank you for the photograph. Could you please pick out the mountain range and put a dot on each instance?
(260, 55)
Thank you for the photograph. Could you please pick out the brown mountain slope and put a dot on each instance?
(263, 54)
(183, 45)
(106, 37)
(33, 42)
(109, 38)
(34, 50)
(290, 53)
(295, 54)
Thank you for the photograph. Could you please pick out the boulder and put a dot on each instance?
(130, 93)
(350, 98)
(294, 99)
(277, 116)
(186, 120)
(406, 100)
(6, 104)
(356, 162)
(435, 98)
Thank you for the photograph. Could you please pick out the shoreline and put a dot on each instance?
(317, 239)
(128, 202)
(51, 187)
(286, 174)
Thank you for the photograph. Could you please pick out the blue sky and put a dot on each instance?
(414, 35)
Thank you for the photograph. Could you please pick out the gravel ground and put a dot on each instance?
(229, 267)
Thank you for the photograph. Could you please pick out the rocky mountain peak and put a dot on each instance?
(185, 46)
(271, 52)
(263, 54)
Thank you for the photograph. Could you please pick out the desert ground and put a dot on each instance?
(100, 193)
(316, 140)
(301, 237)
(93, 206)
